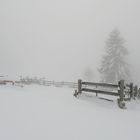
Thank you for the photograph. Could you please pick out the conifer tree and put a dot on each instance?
(114, 66)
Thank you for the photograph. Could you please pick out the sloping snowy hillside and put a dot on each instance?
(49, 113)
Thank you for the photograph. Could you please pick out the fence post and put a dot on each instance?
(139, 94)
(121, 84)
(121, 94)
(96, 92)
(136, 91)
(79, 86)
(131, 90)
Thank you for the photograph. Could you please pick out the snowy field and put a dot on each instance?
(50, 113)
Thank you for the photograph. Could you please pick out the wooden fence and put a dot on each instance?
(124, 92)
(30, 81)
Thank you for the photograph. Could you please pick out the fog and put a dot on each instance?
(59, 39)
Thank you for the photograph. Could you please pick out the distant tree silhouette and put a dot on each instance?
(114, 66)
(88, 74)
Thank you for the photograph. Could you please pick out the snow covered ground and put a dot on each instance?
(51, 113)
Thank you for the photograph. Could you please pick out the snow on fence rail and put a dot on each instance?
(4, 82)
(125, 92)
(42, 81)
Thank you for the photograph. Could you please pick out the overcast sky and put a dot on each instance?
(58, 39)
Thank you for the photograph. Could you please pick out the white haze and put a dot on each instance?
(59, 39)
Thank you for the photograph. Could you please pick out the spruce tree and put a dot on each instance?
(114, 66)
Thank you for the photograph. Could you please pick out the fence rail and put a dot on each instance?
(100, 84)
(40, 82)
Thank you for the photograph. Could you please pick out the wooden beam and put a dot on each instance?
(131, 90)
(100, 91)
(100, 84)
(79, 86)
(121, 91)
